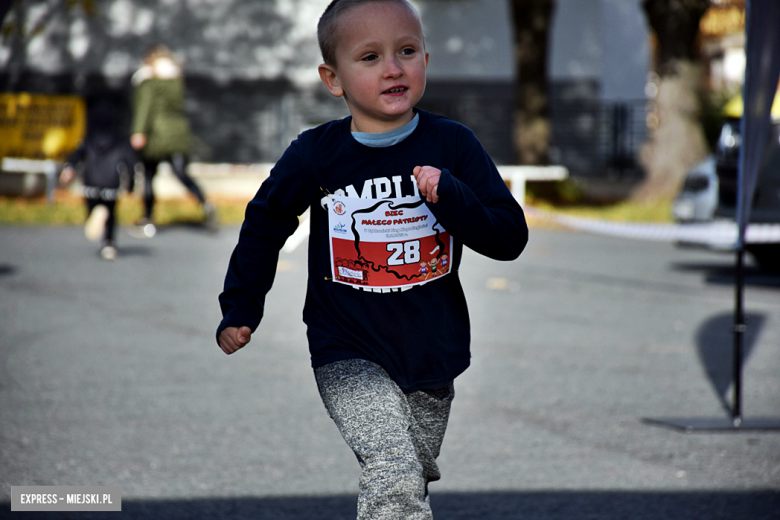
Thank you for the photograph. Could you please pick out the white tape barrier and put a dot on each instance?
(301, 234)
(720, 233)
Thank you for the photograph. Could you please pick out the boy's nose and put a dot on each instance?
(393, 68)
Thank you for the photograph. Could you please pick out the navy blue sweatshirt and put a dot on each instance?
(420, 336)
(102, 153)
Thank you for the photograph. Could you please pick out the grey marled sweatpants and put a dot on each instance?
(395, 436)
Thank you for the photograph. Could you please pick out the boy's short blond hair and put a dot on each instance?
(328, 24)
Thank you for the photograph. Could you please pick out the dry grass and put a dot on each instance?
(68, 209)
(619, 212)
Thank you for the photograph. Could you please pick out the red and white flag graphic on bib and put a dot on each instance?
(386, 243)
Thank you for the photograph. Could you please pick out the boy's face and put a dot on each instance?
(380, 65)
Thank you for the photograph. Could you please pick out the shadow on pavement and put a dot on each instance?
(715, 343)
(723, 505)
(126, 250)
(188, 225)
(722, 273)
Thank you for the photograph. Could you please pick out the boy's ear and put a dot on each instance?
(331, 81)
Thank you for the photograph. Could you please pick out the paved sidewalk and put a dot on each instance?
(110, 376)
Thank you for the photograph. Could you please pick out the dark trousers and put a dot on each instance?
(179, 165)
(108, 234)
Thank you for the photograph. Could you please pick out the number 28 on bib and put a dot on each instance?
(386, 243)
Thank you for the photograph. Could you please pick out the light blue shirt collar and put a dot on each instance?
(385, 139)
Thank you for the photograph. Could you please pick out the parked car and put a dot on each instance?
(698, 197)
(710, 187)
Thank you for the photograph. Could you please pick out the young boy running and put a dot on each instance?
(389, 187)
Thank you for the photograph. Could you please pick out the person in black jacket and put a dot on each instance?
(394, 194)
(105, 159)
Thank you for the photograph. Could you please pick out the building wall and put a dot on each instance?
(250, 65)
(598, 69)
(601, 41)
(468, 40)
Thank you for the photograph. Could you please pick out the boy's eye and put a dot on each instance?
(369, 57)
(408, 51)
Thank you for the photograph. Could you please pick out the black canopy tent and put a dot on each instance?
(762, 72)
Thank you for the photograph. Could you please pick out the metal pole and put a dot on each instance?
(739, 334)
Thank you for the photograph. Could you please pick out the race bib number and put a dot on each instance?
(386, 243)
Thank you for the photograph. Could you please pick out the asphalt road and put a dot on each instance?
(110, 376)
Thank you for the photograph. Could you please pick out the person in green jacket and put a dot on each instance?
(160, 129)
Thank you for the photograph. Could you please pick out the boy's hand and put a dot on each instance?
(428, 182)
(138, 141)
(232, 339)
(67, 174)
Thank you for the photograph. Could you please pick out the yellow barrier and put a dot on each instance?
(40, 126)
(735, 107)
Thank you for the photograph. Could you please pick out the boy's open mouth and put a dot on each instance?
(395, 90)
